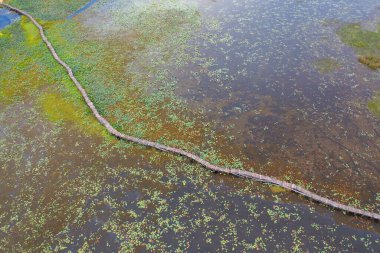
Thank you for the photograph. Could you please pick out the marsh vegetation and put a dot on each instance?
(281, 87)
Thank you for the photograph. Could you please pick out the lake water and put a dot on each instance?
(276, 90)
(265, 85)
(259, 70)
(7, 18)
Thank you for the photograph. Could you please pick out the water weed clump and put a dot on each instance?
(372, 62)
(367, 46)
(365, 43)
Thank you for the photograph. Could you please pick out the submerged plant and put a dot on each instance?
(327, 65)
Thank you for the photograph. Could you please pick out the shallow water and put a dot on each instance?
(7, 18)
(85, 7)
(269, 83)
(274, 74)
(265, 84)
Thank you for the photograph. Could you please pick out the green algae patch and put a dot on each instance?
(5, 35)
(277, 189)
(20, 73)
(327, 65)
(364, 42)
(25, 62)
(59, 109)
(28, 66)
(31, 31)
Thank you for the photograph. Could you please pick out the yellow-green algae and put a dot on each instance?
(277, 189)
(59, 109)
(31, 31)
(5, 35)
(30, 68)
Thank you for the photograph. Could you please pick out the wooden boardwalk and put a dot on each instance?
(204, 163)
